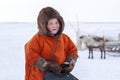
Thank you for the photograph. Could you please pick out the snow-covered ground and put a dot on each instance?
(13, 37)
(97, 69)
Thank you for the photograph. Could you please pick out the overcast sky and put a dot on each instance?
(71, 10)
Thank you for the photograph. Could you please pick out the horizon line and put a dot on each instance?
(12, 22)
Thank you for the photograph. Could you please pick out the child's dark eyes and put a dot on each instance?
(53, 23)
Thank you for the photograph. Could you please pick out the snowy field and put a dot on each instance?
(13, 37)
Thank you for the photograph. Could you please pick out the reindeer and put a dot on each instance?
(94, 42)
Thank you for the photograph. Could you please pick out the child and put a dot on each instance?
(49, 49)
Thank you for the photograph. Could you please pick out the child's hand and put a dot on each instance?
(54, 67)
(67, 67)
(65, 64)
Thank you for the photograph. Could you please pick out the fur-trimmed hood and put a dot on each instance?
(46, 14)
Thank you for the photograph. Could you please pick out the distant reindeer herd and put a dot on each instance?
(91, 42)
(102, 43)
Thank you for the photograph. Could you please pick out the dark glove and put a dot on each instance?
(45, 65)
(67, 68)
(54, 67)
(41, 64)
(69, 64)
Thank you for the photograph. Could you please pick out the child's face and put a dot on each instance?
(53, 26)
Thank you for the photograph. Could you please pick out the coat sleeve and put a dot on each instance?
(70, 47)
(32, 50)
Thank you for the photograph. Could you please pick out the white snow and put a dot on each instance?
(13, 37)
(97, 69)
